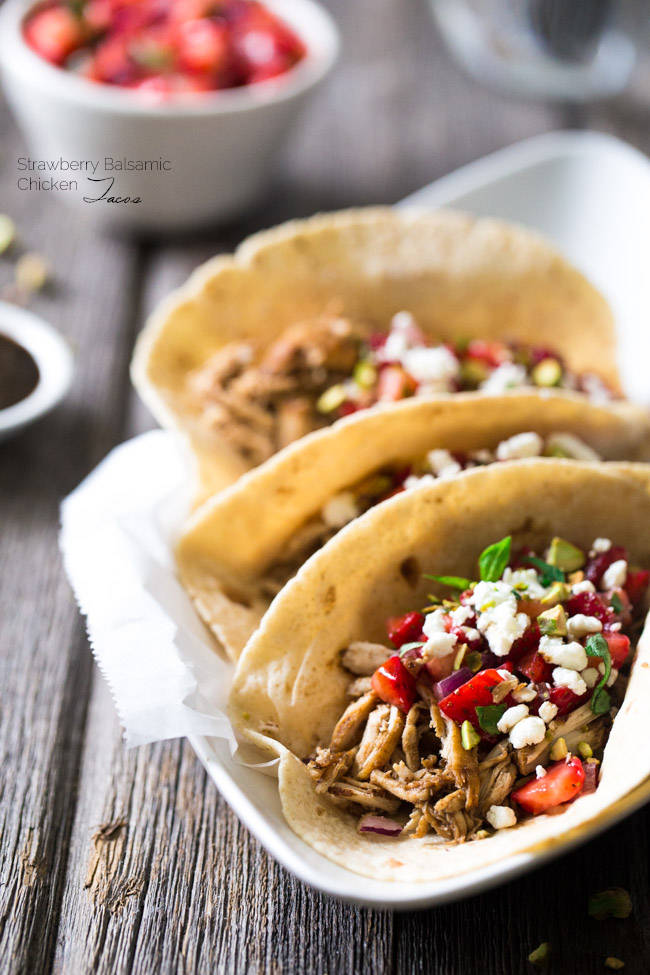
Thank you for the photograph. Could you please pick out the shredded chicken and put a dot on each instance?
(363, 658)
(359, 687)
(411, 737)
(496, 784)
(576, 721)
(462, 763)
(412, 786)
(364, 794)
(348, 728)
(328, 766)
(388, 736)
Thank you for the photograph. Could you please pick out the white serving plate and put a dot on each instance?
(590, 194)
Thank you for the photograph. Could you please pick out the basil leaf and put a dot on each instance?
(410, 646)
(549, 573)
(488, 716)
(596, 646)
(616, 604)
(493, 560)
(455, 582)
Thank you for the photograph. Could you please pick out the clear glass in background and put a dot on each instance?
(576, 50)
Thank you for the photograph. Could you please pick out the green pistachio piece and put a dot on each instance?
(565, 556)
(548, 372)
(610, 903)
(558, 592)
(331, 399)
(365, 375)
(552, 622)
(540, 955)
(469, 737)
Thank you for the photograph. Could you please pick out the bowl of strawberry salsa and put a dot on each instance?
(497, 700)
(164, 113)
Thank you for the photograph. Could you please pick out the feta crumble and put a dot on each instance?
(413, 481)
(486, 595)
(540, 771)
(563, 677)
(502, 626)
(461, 614)
(437, 366)
(510, 375)
(501, 817)
(565, 655)
(442, 463)
(509, 718)
(529, 731)
(580, 625)
(584, 586)
(340, 509)
(548, 711)
(439, 642)
(570, 446)
(525, 581)
(590, 676)
(614, 577)
(520, 446)
(600, 545)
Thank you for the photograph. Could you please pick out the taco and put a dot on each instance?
(509, 684)
(323, 317)
(241, 546)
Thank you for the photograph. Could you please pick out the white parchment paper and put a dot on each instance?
(118, 530)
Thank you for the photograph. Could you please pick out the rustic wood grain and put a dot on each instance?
(120, 862)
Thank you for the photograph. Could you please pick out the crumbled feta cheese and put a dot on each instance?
(469, 634)
(501, 817)
(570, 446)
(584, 586)
(524, 694)
(525, 580)
(555, 651)
(486, 595)
(437, 366)
(580, 625)
(502, 626)
(616, 627)
(547, 711)
(540, 771)
(600, 545)
(564, 677)
(530, 731)
(520, 446)
(439, 645)
(414, 481)
(402, 328)
(510, 718)
(614, 577)
(510, 375)
(590, 676)
(461, 614)
(435, 622)
(442, 463)
(340, 509)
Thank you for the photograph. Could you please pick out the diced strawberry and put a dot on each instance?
(440, 667)
(533, 666)
(591, 777)
(619, 648)
(636, 584)
(348, 407)
(565, 700)
(589, 604)
(619, 596)
(54, 33)
(540, 352)
(202, 45)
(405, 629)
(563, 782)
(377, 340)
(394, 384)
(461, 704)
(492, 353)
(597, 566)
(526, 644)
(394, 685)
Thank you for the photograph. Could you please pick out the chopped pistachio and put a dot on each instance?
(7, 232)
(558, 592)
(482, 834)
(473, 372)
(474, 661)
(331, 399)
(559, 750)
(614, 963)
(365, 375)
(31, 273)
(460, 656)
(552, 622)
(548, 372)
(565, 556)
(584, 749)
(576, 577)
(540, 955)
(615, 902)
(469, 736)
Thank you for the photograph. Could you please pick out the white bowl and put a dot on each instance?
(220, 145)
(53, 359)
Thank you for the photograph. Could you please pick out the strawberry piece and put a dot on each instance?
(563, 782)
(533, 666)
(461, 704)
(394, 384)
(54, 33)
(590, 604)
(619, 648)
(492, 354)
(527, 644)
(597, 566)
(394, 685)
(636, 584)
(405, 629)
(202, 45)
(565, 700)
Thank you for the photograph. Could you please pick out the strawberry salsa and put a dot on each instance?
(495, 704)
(319, 371)
(165, 47)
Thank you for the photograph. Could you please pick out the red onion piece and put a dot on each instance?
(591, 777)
(379, 824)
(451, 683)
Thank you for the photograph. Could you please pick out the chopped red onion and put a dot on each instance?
(379, 824)
(451, 683)
(591, 777)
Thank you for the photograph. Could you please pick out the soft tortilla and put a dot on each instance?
(289, 686)
(234, 537)
(459, 276)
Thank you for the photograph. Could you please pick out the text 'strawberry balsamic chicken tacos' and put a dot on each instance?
(467, 662)
(303, 496)
(321, 318)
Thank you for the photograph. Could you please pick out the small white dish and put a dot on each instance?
(220, 145)
(53, 360)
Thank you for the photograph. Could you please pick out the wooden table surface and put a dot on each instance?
(118, 861)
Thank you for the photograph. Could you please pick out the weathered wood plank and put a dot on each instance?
(45, 671)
